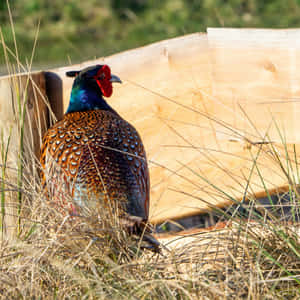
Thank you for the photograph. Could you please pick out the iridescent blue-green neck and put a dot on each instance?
(86, 97)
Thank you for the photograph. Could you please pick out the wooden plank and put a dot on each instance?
(187, 98)
(257, 69)
(20, 93)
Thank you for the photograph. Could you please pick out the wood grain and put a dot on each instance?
(203, 105)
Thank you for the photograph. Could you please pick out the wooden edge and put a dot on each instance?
(191, 232)
(222, 205)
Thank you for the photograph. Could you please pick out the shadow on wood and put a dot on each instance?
(54, 90)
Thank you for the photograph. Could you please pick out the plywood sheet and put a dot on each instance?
(203, 105)
(257, 70)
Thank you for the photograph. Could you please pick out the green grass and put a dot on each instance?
(4, 154)
(74, 31)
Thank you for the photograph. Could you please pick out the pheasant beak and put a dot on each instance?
(115, 78)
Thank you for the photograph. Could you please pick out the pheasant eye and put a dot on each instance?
(101, 76)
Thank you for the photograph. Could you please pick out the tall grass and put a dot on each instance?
(4, 154)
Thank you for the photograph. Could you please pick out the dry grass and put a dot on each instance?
(55, 257)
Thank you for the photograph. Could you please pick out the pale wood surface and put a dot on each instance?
(259, 71)
(191, 99)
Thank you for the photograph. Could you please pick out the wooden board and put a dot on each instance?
(203, 104)
(194, 99)
(18, 94)
(257, 70)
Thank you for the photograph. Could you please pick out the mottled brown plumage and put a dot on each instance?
(99, 154)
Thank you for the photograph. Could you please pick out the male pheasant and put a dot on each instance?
(94, 157)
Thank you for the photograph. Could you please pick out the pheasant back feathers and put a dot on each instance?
(96, 156)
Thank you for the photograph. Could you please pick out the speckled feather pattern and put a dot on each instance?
(96, 157)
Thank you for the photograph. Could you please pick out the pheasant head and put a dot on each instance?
(89, 87)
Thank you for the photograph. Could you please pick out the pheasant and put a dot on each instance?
(94, 157)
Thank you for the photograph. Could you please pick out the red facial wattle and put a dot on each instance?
(103, 80)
